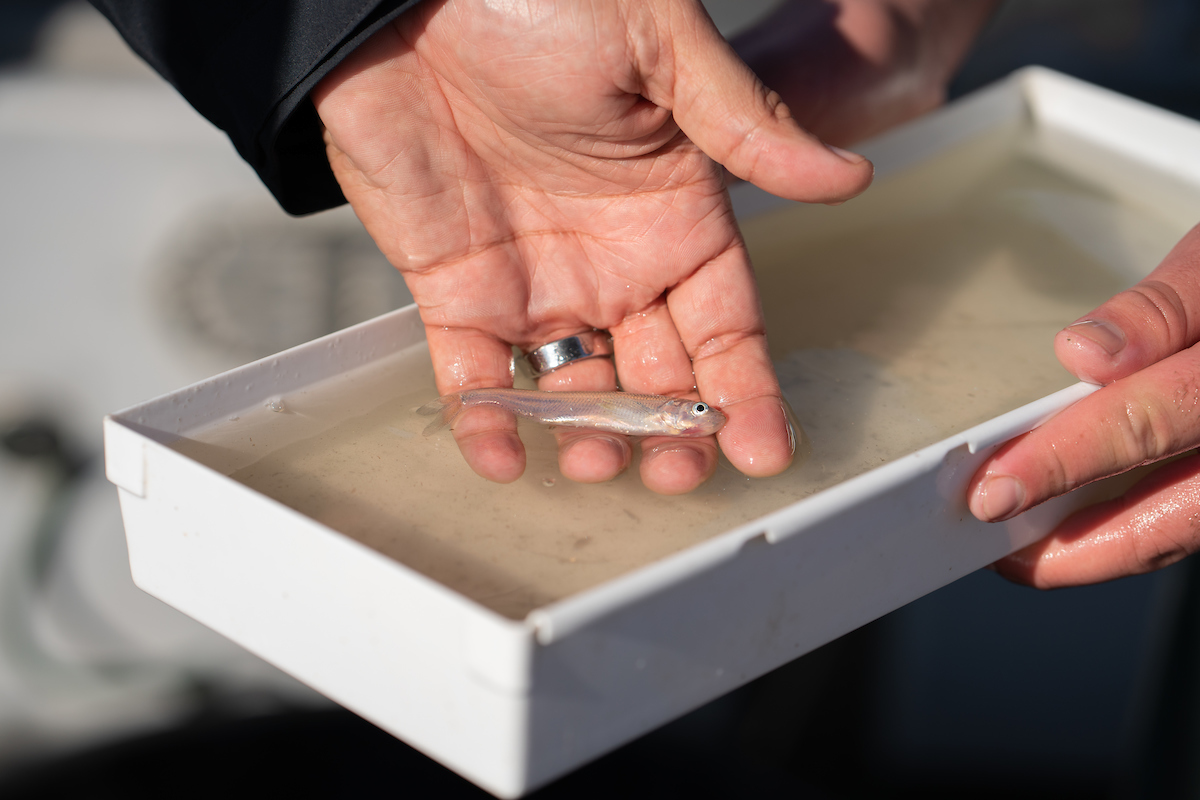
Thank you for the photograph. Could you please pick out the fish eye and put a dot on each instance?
(700, 408)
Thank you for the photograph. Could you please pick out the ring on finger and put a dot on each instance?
(569, 349)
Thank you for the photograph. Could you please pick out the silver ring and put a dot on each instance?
(550, 357)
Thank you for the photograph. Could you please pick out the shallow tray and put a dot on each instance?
(512, 693)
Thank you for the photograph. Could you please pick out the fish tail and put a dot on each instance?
(446, 409)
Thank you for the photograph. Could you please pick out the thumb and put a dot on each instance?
(722, 106)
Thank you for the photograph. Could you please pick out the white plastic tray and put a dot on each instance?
(512, 704)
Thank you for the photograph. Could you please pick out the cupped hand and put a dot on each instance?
(1142, 345)
(537, 168)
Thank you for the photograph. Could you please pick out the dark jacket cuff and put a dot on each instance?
(249, 66)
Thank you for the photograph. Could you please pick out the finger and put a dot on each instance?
(588, 456)
(652, 359)
(487, 436)
(1157, 317)
(719, 318)
(722, 106)
(672, 465)
(650, 356)
(1153, 525)
(1136, 420)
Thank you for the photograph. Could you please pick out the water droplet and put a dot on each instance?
(276, 405)
(548, 482)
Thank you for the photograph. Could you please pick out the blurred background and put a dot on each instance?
(140, 254)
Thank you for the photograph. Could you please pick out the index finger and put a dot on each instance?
(464, 359)
(1143, 344)
(720, 320)
(1142, 325)
(1137, 420)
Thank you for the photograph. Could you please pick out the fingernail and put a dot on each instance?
(791, 429)
(1001, 497)
(846, 155)
(689, 454)
(1109, 337)
(616, 448)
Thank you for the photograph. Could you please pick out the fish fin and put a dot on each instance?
(446, 408)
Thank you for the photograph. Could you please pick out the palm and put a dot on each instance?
(529, 266)
(528, 177)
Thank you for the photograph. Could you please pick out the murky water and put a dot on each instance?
(925, 307)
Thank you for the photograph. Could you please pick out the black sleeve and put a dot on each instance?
(248, 66)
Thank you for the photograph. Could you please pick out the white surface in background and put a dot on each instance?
(102, 163)
(86, 211)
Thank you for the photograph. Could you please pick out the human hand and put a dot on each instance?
(538, 168)
(1142, 345)
(850, 69)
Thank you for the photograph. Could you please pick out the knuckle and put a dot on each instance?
(1146, 434)
(1060, 475)
(747, 150)
(745, 154)
(1163, 307)
(1186, 399)
(721, 344)
(776, 108)
(1157, 547)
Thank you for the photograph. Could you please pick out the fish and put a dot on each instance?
(614, 412)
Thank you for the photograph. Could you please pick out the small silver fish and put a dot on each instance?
(615, 412)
